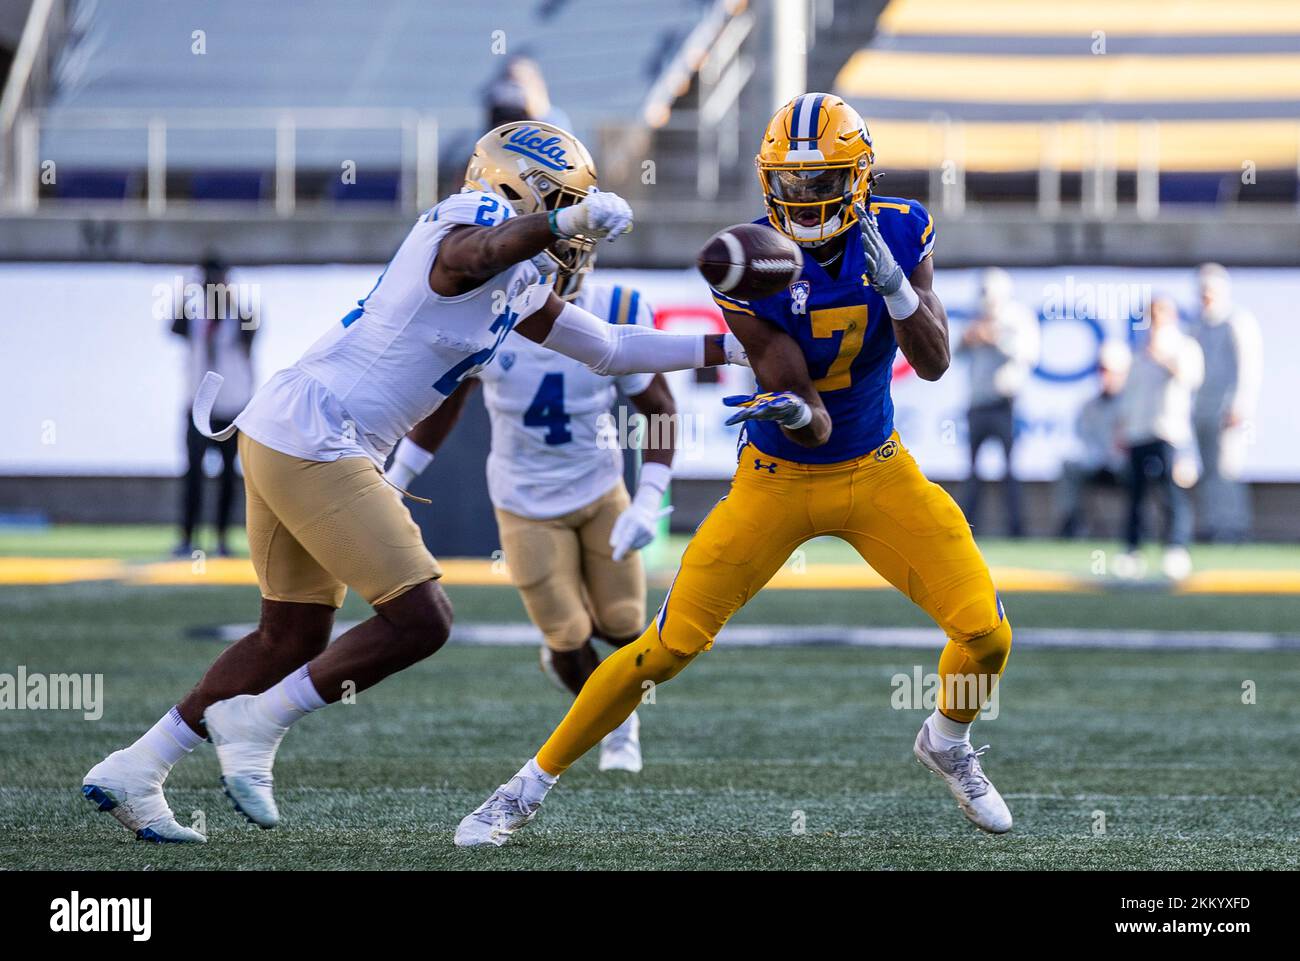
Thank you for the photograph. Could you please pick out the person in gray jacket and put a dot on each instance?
(1103, 460)
(1224, 406)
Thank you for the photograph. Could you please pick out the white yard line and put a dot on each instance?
(513, 634)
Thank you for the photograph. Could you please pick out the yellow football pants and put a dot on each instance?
(904, 526)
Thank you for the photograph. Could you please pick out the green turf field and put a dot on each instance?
(151, 542)
(740, 748)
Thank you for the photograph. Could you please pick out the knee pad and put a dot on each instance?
(620, 620)
(568, 634)
(974, 616)
(991, 650)
(682, 630)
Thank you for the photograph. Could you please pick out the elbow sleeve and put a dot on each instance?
(611, 349)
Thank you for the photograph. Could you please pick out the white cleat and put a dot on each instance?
(246, 744)
(620, 749)
(960, 769)
(132, 793)
(510, 807)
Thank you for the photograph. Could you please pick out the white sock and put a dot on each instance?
(947, 733)
(166, 742)
(290, 699)
(534, 770)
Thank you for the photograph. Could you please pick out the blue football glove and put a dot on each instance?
(787, 409)
(882, 269)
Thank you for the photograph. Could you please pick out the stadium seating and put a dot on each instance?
(95, 185)
(1195, 86)
(227, 185)
(394, 54)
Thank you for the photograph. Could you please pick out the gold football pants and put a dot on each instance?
(316, 528)
(568, 578)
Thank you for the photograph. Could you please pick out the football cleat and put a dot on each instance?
(510, 807)
(246, 743)
(133, 794)
(960, 768)
(620, 749)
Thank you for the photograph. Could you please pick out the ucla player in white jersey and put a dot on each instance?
(313, 441)
(569, 531)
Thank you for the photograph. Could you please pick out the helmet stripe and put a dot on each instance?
(816, 112)
(801, 128)
(794, 118)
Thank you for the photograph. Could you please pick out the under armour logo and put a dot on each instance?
(759, 465)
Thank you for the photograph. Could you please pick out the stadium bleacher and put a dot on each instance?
(134, 61)
(1193, 89)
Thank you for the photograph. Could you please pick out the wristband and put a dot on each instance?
(903, 302)
(802, 420)
(654, 476)
(555, 227)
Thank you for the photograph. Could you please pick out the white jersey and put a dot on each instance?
(393, 360)
(552, 450)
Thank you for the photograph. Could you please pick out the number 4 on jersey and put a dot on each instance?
(547, 410)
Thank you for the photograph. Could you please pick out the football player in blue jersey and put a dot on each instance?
(820, 456)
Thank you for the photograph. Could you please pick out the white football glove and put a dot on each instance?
(734, 350)
(599, 214)
(882, 269)
(639, 523)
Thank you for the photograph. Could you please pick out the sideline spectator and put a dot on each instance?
(1002, 347)
(1104, 459)
(218, 340)
(1224, 407)
(520, 93)
(1157, 419)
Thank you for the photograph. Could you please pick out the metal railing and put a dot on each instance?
(424, 138)
(713, 124)
(29, 83)
(712, 52)
(417, 158)
(1097, 165)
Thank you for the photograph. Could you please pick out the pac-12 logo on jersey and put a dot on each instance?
(545, 150)
(799, 292)
(506, 359)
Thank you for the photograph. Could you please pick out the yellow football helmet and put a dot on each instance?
(538, 168)
(814, 165)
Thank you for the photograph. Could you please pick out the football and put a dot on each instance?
(750, 261)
